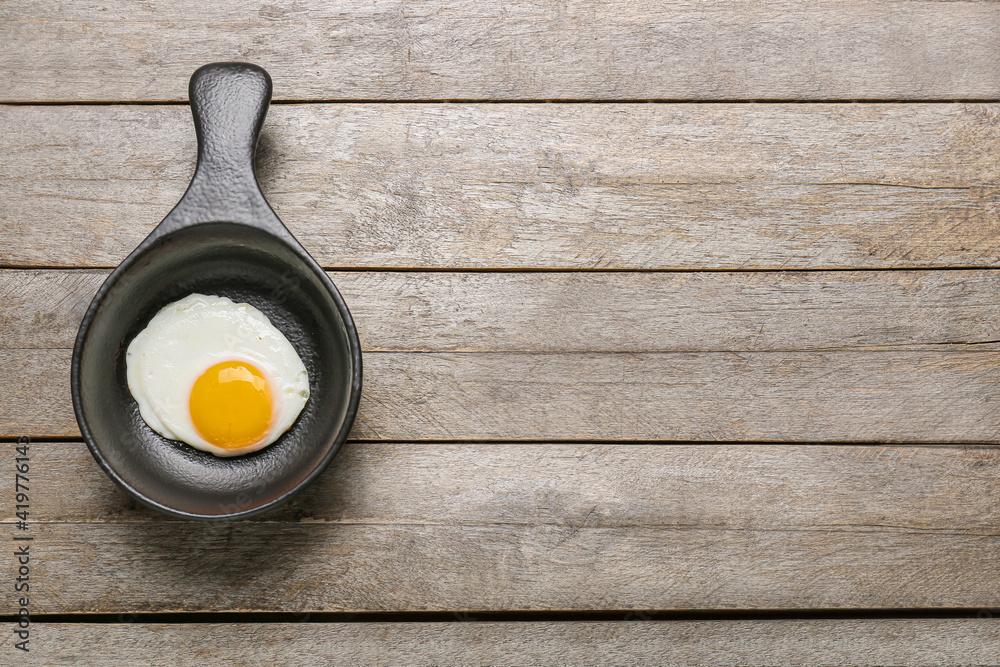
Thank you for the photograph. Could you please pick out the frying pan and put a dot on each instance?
(222, 238)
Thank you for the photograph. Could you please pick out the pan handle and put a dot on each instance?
(229, 102)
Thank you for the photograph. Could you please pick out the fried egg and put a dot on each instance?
(216, 375)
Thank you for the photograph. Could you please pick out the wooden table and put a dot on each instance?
(679, 322)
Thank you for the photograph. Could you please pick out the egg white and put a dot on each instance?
(188, 337)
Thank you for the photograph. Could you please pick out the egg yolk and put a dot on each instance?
(231, 405)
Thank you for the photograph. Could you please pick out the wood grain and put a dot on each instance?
(404, 522)
(598, 312)
(160, 567)
(894, 356)
(838, 396)
(542, 527)
(785, 642)
(592, 49)
(834, 488)
(568, 186)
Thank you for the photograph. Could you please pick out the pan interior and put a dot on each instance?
(247, 265)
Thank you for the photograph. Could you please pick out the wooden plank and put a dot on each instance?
(569, 186)
(526, 527)
(778, 642)
(842, 488)
(745, 356)
(528, 49)
(598, 312)
(882, 396)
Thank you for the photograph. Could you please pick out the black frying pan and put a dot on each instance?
(222, 238)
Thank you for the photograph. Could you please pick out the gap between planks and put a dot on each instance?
(345, 101)
(511, 617)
